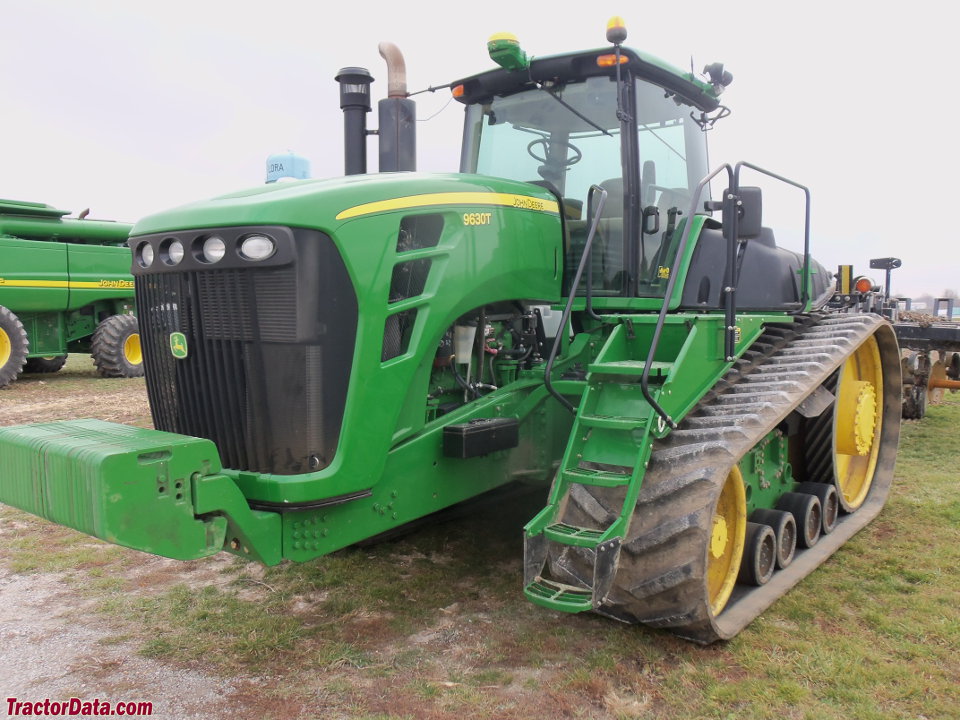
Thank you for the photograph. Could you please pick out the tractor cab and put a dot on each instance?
(617, 119)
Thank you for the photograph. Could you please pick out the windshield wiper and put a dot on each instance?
(573, 110)
(669, 146)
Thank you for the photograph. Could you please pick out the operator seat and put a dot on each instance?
(607, 255)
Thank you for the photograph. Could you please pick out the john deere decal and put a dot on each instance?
(178, 345)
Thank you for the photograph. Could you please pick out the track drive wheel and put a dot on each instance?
(45, 364)
(116, 347)
(13, 346)
(858, 424)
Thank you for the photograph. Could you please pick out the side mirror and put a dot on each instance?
(885, 263)
(651, 220)
(751, 212)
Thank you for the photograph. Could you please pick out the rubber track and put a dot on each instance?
(661, 576)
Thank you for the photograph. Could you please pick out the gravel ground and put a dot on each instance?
(53, 647)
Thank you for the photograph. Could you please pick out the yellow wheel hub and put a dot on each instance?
(858, 422)
(718, 539)
(858, 419)
(6, 347)
(727, 534)
(132, 352)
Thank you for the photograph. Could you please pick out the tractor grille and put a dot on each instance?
(269, 351)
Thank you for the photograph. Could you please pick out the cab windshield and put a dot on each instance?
(567, 138)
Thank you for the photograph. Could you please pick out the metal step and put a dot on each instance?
(598, 478)
(573, 535)
(557, 596)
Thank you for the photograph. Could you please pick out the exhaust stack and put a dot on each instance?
(397, 116)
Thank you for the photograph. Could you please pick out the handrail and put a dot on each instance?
(668, 292)
(731, 222)
(565, 317)
(805, 286)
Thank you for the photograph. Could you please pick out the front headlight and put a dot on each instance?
(214, 249)
(257, 247)
(145, 255)
(175, 252)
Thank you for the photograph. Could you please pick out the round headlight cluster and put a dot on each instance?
(257, 247)
(205, 249)
(213, 249)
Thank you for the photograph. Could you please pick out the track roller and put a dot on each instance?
(807, 512)
(784, 528)
(829, 503)
(759, 555)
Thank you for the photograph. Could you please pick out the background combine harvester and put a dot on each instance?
(330, 360)
(65, 286)
(929, 343)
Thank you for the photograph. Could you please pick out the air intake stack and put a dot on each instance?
(355, 103)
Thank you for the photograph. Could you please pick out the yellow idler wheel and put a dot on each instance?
(131, 349)
(858, 422)
(725, 551)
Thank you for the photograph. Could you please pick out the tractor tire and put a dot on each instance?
(43, 365)
(677, 558)
(13, 347)
(116, 349)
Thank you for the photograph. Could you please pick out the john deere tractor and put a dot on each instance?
(65, 286)
(329, 360)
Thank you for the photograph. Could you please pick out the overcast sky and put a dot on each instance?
(134, 107)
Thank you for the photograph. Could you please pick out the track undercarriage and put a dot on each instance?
(810, 406)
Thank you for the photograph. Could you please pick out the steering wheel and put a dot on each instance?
(577, 156)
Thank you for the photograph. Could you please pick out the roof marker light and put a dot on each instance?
(611, 60)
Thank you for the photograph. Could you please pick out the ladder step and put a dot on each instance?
(573, 535)
(555, 596)
(597, 478)
(612, 422)
(658, 370)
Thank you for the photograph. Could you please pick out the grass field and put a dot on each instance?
(435, 626)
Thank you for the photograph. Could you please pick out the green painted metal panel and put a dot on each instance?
(46, 333)
(767, 473)
(126, 485)
(33, 275)
(98, 272)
